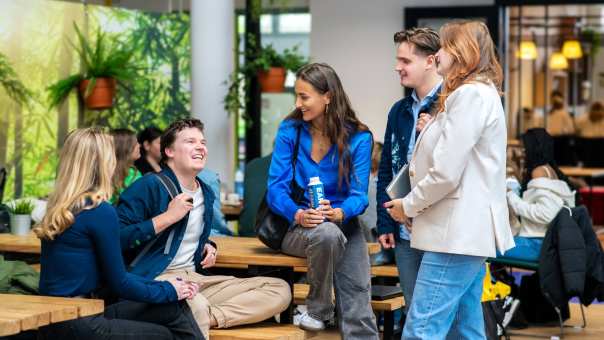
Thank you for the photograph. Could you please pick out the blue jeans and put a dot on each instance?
(407, 263)
(446, 302)
(527, 249)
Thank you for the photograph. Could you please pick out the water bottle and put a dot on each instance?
(239, 183)
(315, 192)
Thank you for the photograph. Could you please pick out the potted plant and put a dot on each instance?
(20, 216)
(271, 68)
(106, 62)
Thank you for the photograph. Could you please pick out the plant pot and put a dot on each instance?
(272, 80)
(20, 224)
(101, 95)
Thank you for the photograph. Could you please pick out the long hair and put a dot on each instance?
(538, 151)
(83, 181)
(124, 141)
(474, 57)
(149, 134)
(341, 121)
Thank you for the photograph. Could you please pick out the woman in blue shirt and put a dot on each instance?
(81, 252)
(336, 147)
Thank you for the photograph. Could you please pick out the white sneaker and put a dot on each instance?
(309, 323)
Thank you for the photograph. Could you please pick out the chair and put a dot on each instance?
(254, 188)
(534, 266)
(589, 152)
(3, 175)
(564, 150)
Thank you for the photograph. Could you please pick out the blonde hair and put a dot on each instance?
(86, 165)
(473, 52)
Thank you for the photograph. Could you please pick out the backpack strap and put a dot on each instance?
(172, 190)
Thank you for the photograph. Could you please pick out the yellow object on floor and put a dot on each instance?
(493, 290)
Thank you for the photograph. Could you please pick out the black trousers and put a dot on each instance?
(130, 320)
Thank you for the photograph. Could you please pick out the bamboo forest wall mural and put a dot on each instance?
(38, 47)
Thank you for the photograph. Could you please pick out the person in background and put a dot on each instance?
(127, 150)
(335, 146)
(150, 150)
(457, 205)
(81, 254)
(591, 125)
(530, 119)
(559, 121)
(368, 220)
(219, 224)
(545, 190)
(416, 67)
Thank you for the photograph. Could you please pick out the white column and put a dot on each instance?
(212, 25)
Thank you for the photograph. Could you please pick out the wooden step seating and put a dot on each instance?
(379, 271)
(301, 292)
(264, 331)
(25, 312)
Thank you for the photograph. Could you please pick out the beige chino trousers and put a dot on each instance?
(229, 301)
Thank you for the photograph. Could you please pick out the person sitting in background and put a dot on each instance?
(545, 190)
(368, 220)
(127, 150)
(530, 119)
(591, 125)
(150, 150)
(559, 121)
(219, 225)
(81, 254)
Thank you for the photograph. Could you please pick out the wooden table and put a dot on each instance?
(28, 244)
(24, 312)
(575, 171)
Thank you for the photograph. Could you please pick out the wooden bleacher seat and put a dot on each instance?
(301, 292)
(264, 331)
(389, 270)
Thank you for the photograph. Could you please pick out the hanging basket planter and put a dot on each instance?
(101, 95)
(272, 80)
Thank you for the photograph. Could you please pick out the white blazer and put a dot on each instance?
(457, 171)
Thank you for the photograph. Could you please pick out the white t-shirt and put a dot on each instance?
(184, 255)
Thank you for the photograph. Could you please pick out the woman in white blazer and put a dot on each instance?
(458, 202)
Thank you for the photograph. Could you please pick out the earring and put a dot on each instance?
(326, 108)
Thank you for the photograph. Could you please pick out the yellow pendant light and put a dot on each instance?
(572, 49)
(527, 50)
(557, 61)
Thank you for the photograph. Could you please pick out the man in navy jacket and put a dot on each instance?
(164, 237)
(416, 66)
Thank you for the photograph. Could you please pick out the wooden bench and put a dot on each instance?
(390, 305)
(380, 271)
(25, 312)
(264, 331)
(387, 306)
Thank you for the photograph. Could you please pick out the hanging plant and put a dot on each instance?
(106, 63)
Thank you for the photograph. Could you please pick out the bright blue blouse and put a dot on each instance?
(352, 198)
(88, 254)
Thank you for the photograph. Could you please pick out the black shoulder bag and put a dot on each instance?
(270, 227)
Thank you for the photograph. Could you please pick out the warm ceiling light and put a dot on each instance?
(527, 50)
(572, 49)
(558, 61)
